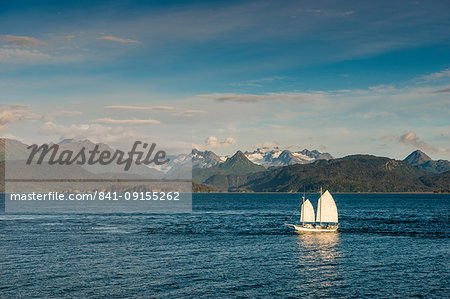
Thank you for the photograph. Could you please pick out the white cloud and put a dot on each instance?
(190, 113)
(259, 82)
(22, 55)
(18, 106)
(125, 107)
(125, 121)
(15, 113)
(267, 144)
(254, 98)
(114, 136)
(443, 90)
(66, 113)
(410, 138)
(22, 40)
(371, 115)
(437, 75)
(118, 39)
(382, 88)
(94, 132)
(61, 113)
(215, 143)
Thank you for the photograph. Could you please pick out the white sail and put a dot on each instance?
(307, 212)
(326, 209)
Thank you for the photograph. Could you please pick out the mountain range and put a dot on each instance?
(423, 161)
(205, 159)
(17, 151)
(356, 173)
(262, 170)
(238, 164)
(269, 157)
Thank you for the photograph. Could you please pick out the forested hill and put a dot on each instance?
(357, 173)
(238, 164)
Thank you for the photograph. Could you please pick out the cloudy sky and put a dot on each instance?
(339, 76)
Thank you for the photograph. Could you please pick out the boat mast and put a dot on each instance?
(303, 212)
(320, 217)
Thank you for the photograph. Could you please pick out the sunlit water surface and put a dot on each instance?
(232, 245)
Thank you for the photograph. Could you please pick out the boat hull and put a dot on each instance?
(301, 228)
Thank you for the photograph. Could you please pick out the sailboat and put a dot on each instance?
(326, 219)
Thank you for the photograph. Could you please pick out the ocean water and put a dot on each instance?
(233, 245)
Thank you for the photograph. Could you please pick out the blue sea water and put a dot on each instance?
(232, 245)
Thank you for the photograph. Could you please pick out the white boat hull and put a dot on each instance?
(301, 228)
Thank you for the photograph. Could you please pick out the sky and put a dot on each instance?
(344, 77)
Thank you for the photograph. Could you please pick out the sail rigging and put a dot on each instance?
(307, 214)
(312, 222)
(326, 209)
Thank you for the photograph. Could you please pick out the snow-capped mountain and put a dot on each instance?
(183, 163)
(269, 157)
(205, 159)
(196, 159)
(175, 163)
